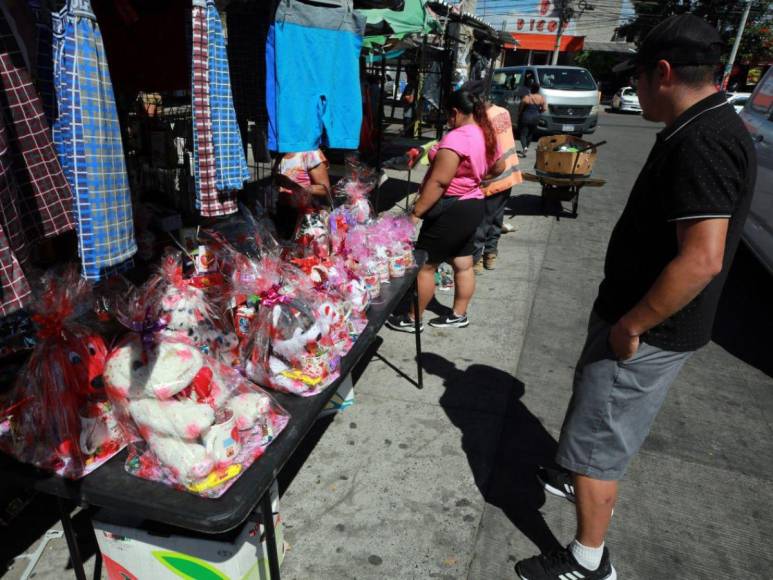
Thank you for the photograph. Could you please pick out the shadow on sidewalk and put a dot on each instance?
(505, 476)
(533, 205)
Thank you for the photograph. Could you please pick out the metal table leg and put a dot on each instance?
(98, 565)
(268, 523)
(408, 191)
(72, 540)
(417, 329)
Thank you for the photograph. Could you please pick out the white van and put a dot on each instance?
(570, 91)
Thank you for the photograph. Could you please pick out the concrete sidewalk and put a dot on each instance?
(396, 486)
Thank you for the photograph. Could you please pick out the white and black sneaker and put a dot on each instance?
(557, 481)
(403, 323)
(450, 321)
(561, 565)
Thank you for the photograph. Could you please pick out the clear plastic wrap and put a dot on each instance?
(297, 336)
(313, 234)
(253, 236)
(194, 423)
(188, 311)
(355, 186)
(59, 417)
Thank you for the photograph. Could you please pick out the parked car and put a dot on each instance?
(571, 93)
(626, 99)
(738, 100)
(757, 114)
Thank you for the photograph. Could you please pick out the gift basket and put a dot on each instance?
(59, 417)
(354, 187)
(296, 335)
(312, 235)
(193, 422)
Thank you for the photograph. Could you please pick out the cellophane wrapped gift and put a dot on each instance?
(355, 186)
(312, 235)
(251, 235)
(188, 311)
(365, 261)
(296, 338)
(334, 283)
(59, 417)
(396, 235)
(194, 423)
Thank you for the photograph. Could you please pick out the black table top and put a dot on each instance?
(112, 487)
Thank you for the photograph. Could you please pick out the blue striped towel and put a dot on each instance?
(230, 164)
(88, 141)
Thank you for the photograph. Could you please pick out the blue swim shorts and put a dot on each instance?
(313, 91)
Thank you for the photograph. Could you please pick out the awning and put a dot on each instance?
(412, 19)
(548, 42)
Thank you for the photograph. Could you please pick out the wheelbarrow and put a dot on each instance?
(563, 167)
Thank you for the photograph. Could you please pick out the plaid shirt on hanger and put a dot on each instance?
(35, 198)
(88, 139)
(219, 166)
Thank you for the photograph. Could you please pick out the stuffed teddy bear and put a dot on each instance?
(192, 418)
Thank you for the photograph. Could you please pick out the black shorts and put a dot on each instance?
(452, 233)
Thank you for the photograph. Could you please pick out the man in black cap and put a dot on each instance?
(667, 260)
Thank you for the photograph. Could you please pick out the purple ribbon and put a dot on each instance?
(272, 297)
(147, 329)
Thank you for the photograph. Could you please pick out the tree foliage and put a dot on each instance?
(756, 44)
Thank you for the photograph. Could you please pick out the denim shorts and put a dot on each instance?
(614, 404)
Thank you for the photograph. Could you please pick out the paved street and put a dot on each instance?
(438, 483)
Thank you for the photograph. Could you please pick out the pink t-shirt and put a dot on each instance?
(468, 142)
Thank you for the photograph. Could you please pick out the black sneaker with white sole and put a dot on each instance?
(557, 481)
(403, 323)
(450, 321)
(561, 565)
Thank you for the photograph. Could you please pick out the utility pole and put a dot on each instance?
(565, 14)
(736, 44)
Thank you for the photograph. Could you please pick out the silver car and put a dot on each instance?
(757, 114)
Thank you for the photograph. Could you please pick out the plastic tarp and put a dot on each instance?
(412, 19)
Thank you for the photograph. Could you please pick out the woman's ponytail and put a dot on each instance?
(481, 118)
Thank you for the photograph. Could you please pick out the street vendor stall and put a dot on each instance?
(175, 352)
(111, 486)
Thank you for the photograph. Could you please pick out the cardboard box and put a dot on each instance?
(134, 549)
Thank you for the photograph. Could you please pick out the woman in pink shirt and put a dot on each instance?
(451, 205)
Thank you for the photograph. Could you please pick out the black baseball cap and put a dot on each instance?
(683, 39)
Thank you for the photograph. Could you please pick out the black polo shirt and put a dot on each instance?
(703, 165)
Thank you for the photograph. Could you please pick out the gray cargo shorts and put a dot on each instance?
(614, 404)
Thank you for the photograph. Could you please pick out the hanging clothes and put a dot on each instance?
(230, 163)
(313, 78)
(220, 168)
(247, 31)
(88, 140)
(43, 71)
(35, 198)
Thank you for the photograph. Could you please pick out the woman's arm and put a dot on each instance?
(442, 172)
(320, 180)
(496, 169)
